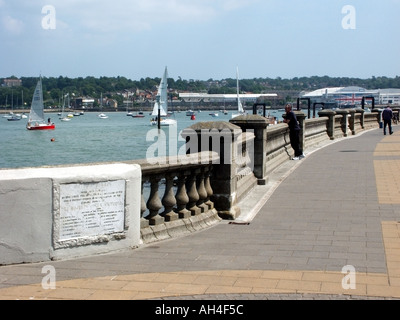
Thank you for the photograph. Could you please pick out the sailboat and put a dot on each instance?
(161, 104)
(138, 115)
(13, 116)
(240, 106)
(128, 113)
(63, 117)
(23, 116)
(102, 115)
(36, 115)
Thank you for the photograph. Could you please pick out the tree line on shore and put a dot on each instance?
(54, 89)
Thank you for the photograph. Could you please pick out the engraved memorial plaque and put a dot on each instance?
(91, 209)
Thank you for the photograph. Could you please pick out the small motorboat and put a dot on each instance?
(103, 116)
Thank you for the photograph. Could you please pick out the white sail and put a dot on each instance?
(240, 106)
(162, 97)
(37, 114)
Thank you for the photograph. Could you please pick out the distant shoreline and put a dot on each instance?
(26, 111)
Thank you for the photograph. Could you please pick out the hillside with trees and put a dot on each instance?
(114, 87)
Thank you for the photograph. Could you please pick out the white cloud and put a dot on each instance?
(99, 17)
(230, 5)
(13, 26)
(138, 15)
(129, 15)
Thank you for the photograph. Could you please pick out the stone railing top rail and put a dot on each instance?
(212, 125)
(163, 164)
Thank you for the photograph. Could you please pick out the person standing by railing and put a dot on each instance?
(294, 130)
(387, 116)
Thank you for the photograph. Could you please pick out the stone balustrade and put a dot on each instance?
(233, 175)
(176, 196)
(224, 162)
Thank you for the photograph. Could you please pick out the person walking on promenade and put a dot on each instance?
(294, 132)
(387, 116)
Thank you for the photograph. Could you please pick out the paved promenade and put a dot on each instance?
(340, 206)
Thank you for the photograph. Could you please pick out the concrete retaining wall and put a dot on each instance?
(65, 212)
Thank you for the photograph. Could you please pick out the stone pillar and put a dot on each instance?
(379, 116)
(220, 137)
(301, 118)
(330, 128)
(362, 119)
(258, 125)
(352, 121)
(396, 112)
(345, 120)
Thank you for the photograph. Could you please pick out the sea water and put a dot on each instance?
(88, 139)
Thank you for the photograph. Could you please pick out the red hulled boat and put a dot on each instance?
(40, 126)
(36, 115)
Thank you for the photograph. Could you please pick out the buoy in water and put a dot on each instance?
(193, 117)
(52, 139)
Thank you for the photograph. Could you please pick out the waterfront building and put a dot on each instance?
(222, 98)
(343, 97)
(389, 96)
(12, 83)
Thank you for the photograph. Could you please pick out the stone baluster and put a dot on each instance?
(301, 117)
(182, 198)
(193, 194)
(143, 222)
(154, 203)
(202, 192)
(209, 190)
(352, 121)
(169, 200)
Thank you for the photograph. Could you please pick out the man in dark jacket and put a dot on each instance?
(294, 130)
(387, 116)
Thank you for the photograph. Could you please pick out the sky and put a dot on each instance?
(200, 39)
